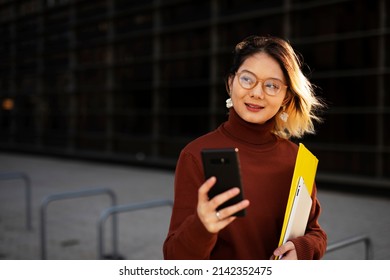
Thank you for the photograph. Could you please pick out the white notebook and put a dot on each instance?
(300, 211)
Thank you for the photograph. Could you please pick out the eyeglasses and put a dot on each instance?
(270, 86)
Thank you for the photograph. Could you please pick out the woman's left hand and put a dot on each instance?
(286, 251)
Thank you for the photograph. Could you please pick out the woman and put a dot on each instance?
(270, 101)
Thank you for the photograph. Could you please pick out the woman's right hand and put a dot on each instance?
(212, 219)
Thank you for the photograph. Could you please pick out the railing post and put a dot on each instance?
(120, 209)
(353, 240)
(27, 183)
(68, 195)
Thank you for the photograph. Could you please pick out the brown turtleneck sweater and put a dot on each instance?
(267, 164)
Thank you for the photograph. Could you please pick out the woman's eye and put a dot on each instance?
(246, 79)
(272, 85)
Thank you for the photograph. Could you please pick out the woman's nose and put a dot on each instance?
(257, 91)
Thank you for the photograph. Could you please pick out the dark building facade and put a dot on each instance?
(134, 81)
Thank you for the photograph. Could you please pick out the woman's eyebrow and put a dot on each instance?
(274, 78)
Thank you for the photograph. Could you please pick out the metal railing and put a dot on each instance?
(120, 209)
(351, 241)
(27, 183)
(69, 195)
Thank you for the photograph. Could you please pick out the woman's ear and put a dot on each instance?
(287, 99)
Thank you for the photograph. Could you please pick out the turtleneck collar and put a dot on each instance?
(243, 131)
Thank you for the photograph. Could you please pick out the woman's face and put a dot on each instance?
(254, 105)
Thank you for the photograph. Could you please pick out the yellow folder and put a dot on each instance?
(305, 167)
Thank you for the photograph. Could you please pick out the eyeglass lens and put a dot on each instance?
(249, 81)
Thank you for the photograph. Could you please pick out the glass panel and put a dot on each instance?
(386, 122)
(6, 13)
(26, 85)
(301, 1)
(195, 97)
(91, 79)
(134, 124)
(86, 9)
(26, 55)
(134, 22)
(228, 7)
(138, 147)
(92, 55)
(25, 119)
(91, 108)
(87, 122)
(90, 142)
(189, 12)
(56, 3)
(6, 111)
(348, 129)
(386, 164)
(231, 33)
(178, 71)
(387, 90)
(344, 162)
(27, 29)
(346, 16)
(93, 31)
(387, 52)
(360, 91)
(5, 33)
(54, 120)
(57, 21)
(191, 40)
(91, 102)
(184, 125)
(55, 43)
(4, 82)
(128, 52)
(170, 148)
(130, 4)
(132, 100)
(132, 77)
(28, 7)
(387, 13)
(357, 53)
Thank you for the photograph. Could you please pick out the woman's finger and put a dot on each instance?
(223, 197)
(286, 251)
(230, 210)
(205, 187)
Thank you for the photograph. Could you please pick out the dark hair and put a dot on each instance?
(277, 48)
(300, 102)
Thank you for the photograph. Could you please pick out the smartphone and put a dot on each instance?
(225, 166)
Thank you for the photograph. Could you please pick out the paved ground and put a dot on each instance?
(71, 226)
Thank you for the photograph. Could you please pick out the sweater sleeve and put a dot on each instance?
(312, 246)
(187, 237)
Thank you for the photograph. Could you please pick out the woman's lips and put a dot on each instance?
(253, 107)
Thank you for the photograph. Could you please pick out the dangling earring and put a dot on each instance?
(283, 115)
(229, 103)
